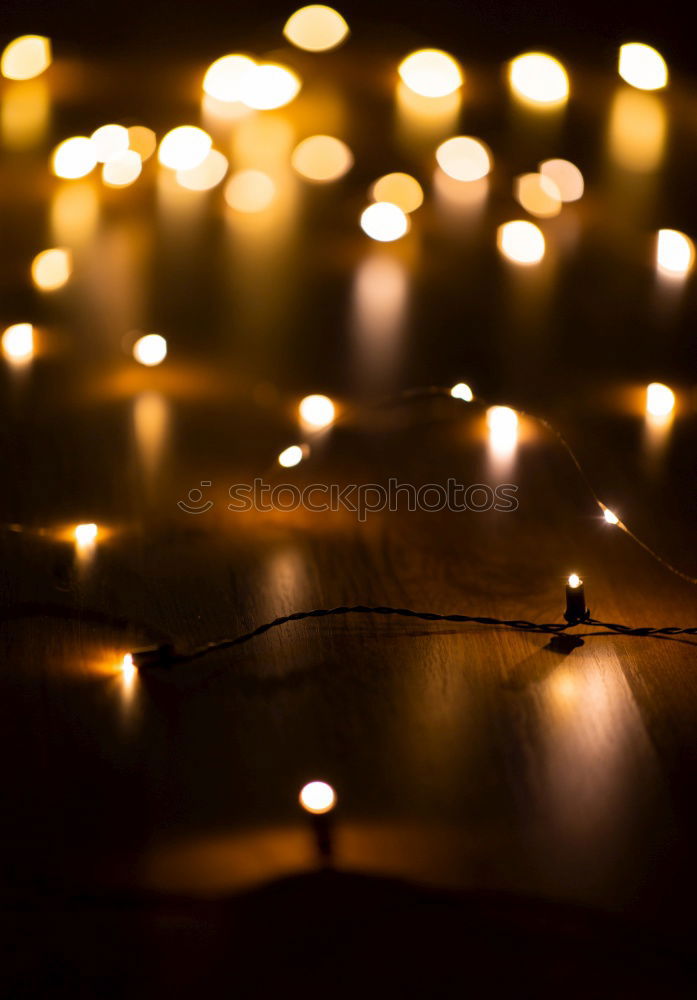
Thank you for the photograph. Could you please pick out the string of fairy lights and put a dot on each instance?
(238, 88)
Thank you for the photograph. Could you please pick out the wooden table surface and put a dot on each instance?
(471, 763)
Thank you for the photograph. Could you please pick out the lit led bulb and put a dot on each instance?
(642, 66)
(316, 28)
(462, 391)
(108, 141)
(184, 147)
(660, 400)
(52, 268)
(128, 667)
(316, 412)
(317, 797)
(538, 79)
(74, 157)
(18, 342)
(150, 350)
(224, 77)
(610, 517)
(268, 85)
(384, 222)
(291, 456)
(431, 73)
(574, 580)
(502, 420)
(675, 253)
(26, 57)
(521, 242)
(86, 535)
(464, 158)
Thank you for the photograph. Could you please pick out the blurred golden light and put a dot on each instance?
(462, 391)
(150, 350)
(26, 57)
(464, 158)
(24, 110)
(52, 268)
(642, 66)
(400, 189)
(316, 411)
(538, 195)
(206, 175)
(322, 158)
(316, 28)
(660, 400)
(431, 73)
(501, 418)
(291, 456)
(521, 242)
(184, 147)
(224, 77)
(142, 140)
(610, 517)
(675, 252)
(250, 191)
(128, 667)
(18, 342)
(384, 222)
(502, 423)
(108, 140)
(538, 78)
(74, 157)
(74, 212)
(86, 534)
(268, 85)
(637, 129)
(574, 581)
(566, 176)
(122, 169)
(317, 797)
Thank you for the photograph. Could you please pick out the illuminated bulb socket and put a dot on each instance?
(576, 610)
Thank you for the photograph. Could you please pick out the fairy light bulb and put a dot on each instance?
(384, 222)
(269, 85)
(316, 28)
(26, 57)
(675, 253)
(576, 610)
(18, 342)
(316, 412)
(108, 141)
(128, 667)
(642, 66)
(660, 400)
(462, 391)
(400, 189)
(74, 157)
(610, 517)
(224, 77)
(464, 158)
(567, 177)
(317, 797)
(184, 147)
(521, 242)
(538, 79)
(291, 456)
(86, 535)
(51, 269)
(431, 73)
(150, 350)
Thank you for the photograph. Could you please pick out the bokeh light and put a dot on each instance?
(250, 191)
(464, 158)
(538, 78)
(52, 268)
(224, 76)
(150, 349)
(316, 411)
(122, 169)
(268, 85)
(610, 517)
(322, 158)
(26, 57)
(142, 140)
(184, 147)
(462, 391)
(566, 176)
(86, 534)
(431, 73)
(18, 342)
(317, 797)
(291, 456)
(206, 175)
(108, 141)
(538, 195)
(675, 253)
(74, 157)
(660, 400)
(637, 129)
(521, 242)
(384, 222)
(316, 28)
(400, 189)
(642, 66)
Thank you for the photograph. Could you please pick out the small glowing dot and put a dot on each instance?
(316, 411)
(142, 140)
(675, 252)
(268, 86)
(74, 157)
(122, 169)
(660, 400)
(291, 456)
(538, 78)
(128, 667)
(400, 189)
(431, 73)
(250, 191)
(150, 350)
(462, 391)
(317, 797)
(184, 147)
(52, 268)
(521, 242)
(206, 175)
(316, 28)
(642, 66)
(108, 141)
(18, 342)
(501, 419)
(464, 158)
(322, 158)
(384, 222)
(224, 77)
(538, 195)
(86, 534)
(26, 57)
(610, 517)
(566, 176)
(574, 581)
